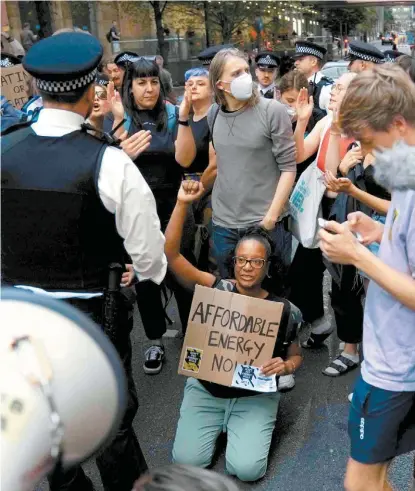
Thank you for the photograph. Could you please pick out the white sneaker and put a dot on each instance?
(350, 397)
(286, 382)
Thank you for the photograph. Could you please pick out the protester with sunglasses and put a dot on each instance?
(207, 409)
(101, 105)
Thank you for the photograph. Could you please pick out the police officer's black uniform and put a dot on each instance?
(318, 82)
(58, 236)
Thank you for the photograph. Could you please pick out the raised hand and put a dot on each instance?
(115, 102)
(305, 105)
(190, 191)
(186, 104)
(136, 144)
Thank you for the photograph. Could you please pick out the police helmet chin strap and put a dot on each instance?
(107, 137)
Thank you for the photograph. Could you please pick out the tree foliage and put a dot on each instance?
(228, 18)
(389, 19)
(342, 20)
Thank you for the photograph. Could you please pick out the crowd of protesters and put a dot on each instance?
(207, 187)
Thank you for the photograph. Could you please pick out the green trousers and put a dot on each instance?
(248, 422)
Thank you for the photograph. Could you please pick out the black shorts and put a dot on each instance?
(381, 423)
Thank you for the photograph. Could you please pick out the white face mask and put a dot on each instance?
(292, 113)
(241, 87)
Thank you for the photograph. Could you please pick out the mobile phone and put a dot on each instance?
(322, 222)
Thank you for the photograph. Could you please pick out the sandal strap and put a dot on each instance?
(342, 364)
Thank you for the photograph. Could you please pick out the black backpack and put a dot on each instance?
(108, 36)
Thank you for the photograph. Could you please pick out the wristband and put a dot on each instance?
(184, 123)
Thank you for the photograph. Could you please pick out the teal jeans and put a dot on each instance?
(248, 422)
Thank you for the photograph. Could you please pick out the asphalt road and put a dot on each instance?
(403, 48)
(310, 446)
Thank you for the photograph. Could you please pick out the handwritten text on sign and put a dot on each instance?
(13, 85)
(226, 329)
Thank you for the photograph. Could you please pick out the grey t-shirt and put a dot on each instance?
(389, 326)
(253, 146)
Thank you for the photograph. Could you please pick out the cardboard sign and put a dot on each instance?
(13, 85)
(227, 335)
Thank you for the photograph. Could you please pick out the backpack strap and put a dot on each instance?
(290, 324)
(172, 116)
(127, 124)
(211, 119)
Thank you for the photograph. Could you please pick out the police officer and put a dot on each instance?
(70, 202)
(363, 56)
(309, 59)
(116, 68)
(266, 72)
(206, 56)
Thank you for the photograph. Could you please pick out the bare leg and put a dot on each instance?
(350, 349)
(367, 477)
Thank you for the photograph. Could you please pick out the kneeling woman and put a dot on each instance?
(207, 408)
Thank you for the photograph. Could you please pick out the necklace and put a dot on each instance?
(230, 126)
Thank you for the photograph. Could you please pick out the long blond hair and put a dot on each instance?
(215, 73)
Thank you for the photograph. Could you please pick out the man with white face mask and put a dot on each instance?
(255, 165)
(255, 156)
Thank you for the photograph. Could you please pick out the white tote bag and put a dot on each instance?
(305, 203)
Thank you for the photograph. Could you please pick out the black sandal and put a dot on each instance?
(316, 340)
(343, 366)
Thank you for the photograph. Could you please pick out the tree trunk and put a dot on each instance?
(207, 23)
(93, 18)
(43, 15)
(158, 17)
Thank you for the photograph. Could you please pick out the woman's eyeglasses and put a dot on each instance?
(101, 94)
(337, 88)
(256, 263)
